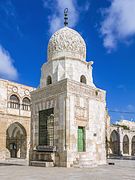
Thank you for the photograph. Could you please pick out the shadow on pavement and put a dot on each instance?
(10, 164)
(122, 157)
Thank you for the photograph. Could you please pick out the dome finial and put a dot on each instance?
(66, 16)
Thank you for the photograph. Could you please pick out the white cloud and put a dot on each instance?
(86, 6)
(56, 20)
(9, 17)
(119, 23)
(122, 87)
(130, 107)
(7, 69)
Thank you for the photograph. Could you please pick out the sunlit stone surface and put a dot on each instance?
(79, 107)
(14, 120)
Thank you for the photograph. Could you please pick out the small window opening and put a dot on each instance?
(49, 80)
(83, 79)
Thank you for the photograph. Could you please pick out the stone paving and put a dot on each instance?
(18, 170)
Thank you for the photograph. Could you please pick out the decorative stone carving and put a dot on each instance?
(81, 113)
(15, 89)
(67, 42)
(89, 92)
(27, 92)
(49, 91)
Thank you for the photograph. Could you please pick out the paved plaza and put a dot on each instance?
(18, 170)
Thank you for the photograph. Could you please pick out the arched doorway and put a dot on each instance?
(16, 140)
(133, 146)
(115, 143)
(125, 145)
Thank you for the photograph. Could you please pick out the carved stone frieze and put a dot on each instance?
(66, 40)
(81, 113)
(49, 91)
(83, 90)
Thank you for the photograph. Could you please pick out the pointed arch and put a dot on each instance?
(16, 140)
(133, 146)
(26, 104)
(115, 143)
(125, 144)
(14, 101)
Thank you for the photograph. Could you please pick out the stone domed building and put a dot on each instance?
(67, 57)
(68, 110)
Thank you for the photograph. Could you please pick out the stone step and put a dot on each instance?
(85, 165)
(41, 164)
(83, 162)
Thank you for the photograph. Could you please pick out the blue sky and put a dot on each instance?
(108, 27)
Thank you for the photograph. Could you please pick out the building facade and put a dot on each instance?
(68, 110)
(14, 120)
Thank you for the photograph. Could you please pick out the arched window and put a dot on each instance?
(14, 102)
(26, 104)
(49, 80)
(83, 79)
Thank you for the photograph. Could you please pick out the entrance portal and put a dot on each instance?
(16, 141)
(81, 139)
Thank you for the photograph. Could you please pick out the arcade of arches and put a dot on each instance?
(16, 140)
(121, 144)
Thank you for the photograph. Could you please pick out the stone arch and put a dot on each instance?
(125, 144)
(133, 146)
(26, 104)
(115, 143)
(83, 79)
(14, 101)
(16, 140)
(49, 80)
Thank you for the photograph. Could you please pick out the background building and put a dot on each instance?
(121, 139)
(14, 119)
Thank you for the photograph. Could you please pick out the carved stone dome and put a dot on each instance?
(66, 42)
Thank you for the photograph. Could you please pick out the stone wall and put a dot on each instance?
(66, 68)
(75, 104)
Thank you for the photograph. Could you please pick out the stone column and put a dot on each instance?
(130, 147)
(121, 141)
